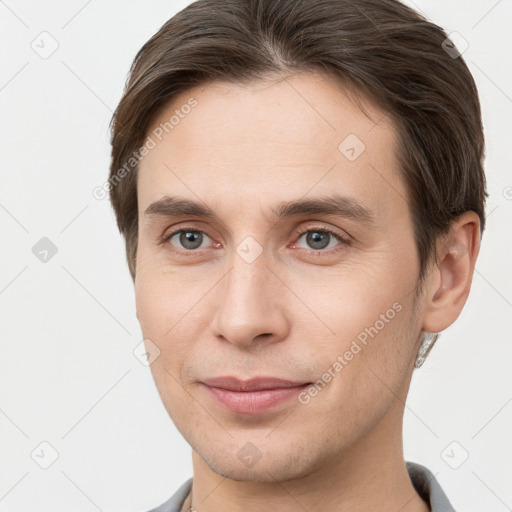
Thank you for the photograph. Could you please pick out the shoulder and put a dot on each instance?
(175, 502)
(428, 487)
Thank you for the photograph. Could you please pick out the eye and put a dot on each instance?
(187, 239)
(317, 240)
(321, 239)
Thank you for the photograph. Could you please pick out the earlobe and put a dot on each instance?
(453, 273)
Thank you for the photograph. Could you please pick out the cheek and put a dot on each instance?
(159, 300)
(357, 300)
(159, 310)
(370, 369)
(387, 340)
(172, 315)
(150, 312)
(374, 328)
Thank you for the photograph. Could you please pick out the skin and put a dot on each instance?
(292, 311)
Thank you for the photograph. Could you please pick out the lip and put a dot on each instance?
(252, 396)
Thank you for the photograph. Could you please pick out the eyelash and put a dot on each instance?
(344, 240)
(166, 237)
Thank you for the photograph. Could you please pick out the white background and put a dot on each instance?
(68, 327)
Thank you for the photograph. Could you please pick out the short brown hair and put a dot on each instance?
(379, 48)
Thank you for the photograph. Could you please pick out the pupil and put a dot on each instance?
(318, 240)
(191, 239)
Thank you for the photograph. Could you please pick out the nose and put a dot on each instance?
(250, 304)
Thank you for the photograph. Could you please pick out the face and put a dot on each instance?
(276, 273)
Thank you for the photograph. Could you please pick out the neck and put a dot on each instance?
(371, 475)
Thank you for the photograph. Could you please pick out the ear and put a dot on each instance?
(450, 280)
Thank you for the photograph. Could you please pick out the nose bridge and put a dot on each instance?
(248, 278)
(247, 302)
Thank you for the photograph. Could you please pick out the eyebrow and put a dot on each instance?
(340, 206)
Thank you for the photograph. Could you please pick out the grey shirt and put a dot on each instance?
(423, 480)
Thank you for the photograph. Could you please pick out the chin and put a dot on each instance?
(276, 464)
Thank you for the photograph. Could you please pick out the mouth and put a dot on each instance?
(254, 396)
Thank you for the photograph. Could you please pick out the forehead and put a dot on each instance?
(274, 140)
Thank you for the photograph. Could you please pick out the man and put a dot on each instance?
(301, 189)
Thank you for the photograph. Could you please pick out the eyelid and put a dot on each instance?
(342, 235)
